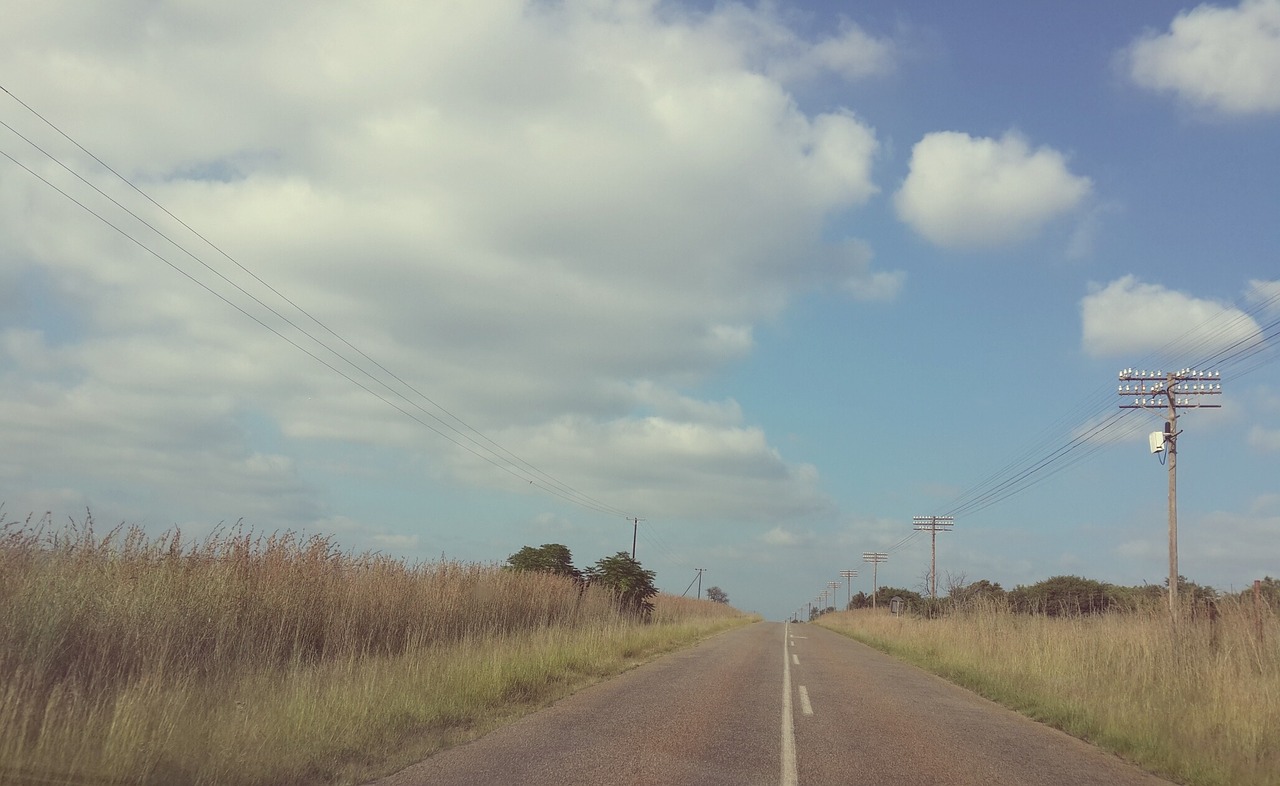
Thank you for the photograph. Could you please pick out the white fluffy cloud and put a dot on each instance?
(1130, 318)
(1227, 59)
(551, 218)
(976, 192)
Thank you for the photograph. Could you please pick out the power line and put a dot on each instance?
(1049, 455)
(479, 445)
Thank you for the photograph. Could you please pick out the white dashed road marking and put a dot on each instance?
(805, 706)
(790, 777)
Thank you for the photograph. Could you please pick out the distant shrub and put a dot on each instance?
(1067, 595)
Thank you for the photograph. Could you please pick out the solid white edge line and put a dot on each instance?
(789, 774)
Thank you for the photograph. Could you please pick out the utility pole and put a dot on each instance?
(1156, 390)
(635, 529)
(849, 576)
(700, 572)
(933, 524)
(834, 585)
(875, 558)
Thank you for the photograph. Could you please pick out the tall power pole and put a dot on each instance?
(700, 572)
(834, 585)
(848, 576)
(933, 524)
(875, 558)
(1156, 390)
(635, 529)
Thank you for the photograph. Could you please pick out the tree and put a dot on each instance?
(961, 594)
(1066, 596)
(631, 584)
(718, 595)
(886, 594)
(547, 558)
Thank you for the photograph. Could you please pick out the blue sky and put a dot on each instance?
(773, 278)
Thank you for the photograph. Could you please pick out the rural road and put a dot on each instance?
(774, 704)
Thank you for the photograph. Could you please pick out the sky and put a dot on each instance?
(753, 284)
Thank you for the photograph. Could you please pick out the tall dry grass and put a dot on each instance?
(251, 658)
(1202, 707)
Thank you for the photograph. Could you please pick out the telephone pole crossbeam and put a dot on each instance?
(1168, 392)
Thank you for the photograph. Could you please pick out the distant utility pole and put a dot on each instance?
(875, 558)
(848, 576)
(834, 585)
(933, 524)
(1156, 390)
(700, 572)
(635, 528)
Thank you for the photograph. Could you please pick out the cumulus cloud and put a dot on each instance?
(1130, 318)
(724, 470)
(1226, 59)
(556, 220)
(851, 53)
(1264, 294)
(976, 192)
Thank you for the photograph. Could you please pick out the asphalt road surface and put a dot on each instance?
(780, 705)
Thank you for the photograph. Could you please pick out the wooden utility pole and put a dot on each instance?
(875, 558)
(849, 576)
(635, 529)
(700, 572)
(1156, 390)
(932, 524)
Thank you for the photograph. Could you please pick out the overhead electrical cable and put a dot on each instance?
(1049, 455)
(480, 445)
(293, 343)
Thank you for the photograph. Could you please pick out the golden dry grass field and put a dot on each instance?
(1202, 707)
(271, 659)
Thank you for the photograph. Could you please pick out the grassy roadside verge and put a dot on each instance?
(1203, 712)
(250, 659)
